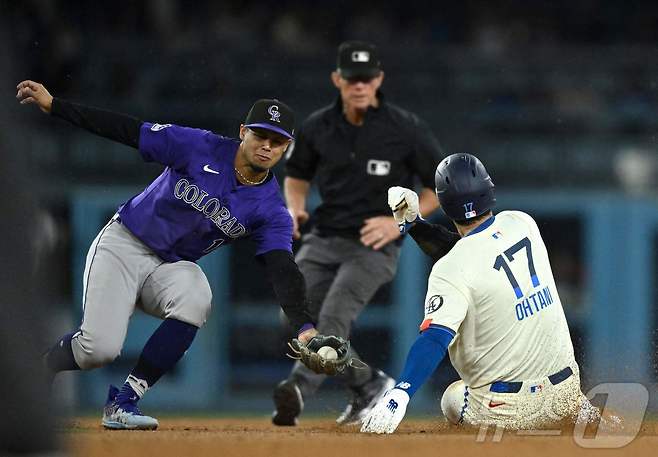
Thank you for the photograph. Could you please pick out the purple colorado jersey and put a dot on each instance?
(197, 205)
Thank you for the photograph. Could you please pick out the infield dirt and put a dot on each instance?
(321, 437)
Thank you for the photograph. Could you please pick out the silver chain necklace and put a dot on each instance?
(254, 183)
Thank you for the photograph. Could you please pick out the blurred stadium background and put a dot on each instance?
(559, 99)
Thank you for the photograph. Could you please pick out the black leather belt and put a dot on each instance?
(513, 387)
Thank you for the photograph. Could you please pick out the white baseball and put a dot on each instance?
(328, 353)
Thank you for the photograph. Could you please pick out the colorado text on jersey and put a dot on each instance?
(211, 208)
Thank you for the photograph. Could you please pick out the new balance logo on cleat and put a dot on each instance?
(392, 405)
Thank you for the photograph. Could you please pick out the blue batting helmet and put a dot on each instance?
(463, 187)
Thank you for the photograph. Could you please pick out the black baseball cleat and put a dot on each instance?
(365, 398)
(288, 402)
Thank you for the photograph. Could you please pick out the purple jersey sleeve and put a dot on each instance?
(170, 144)
(274, 233)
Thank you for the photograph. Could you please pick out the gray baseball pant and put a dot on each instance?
(342, 275)
(122, 273)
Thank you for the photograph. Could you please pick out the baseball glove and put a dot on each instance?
(308, 354)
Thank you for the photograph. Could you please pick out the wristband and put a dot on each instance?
(303, 328)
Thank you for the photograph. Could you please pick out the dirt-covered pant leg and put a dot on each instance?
(539, 404)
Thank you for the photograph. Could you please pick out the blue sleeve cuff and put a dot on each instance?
(303, 328)
(442, 328)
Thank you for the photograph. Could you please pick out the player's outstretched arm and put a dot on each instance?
(290, 289)
(289, 286)
(114, 126)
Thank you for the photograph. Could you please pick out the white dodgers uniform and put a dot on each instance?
(512, 348)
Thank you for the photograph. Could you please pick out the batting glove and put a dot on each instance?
(405, 206)
(387, 413)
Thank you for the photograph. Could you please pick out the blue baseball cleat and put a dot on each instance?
(125, 415)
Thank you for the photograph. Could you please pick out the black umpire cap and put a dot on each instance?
(358, 59)
(272, 114)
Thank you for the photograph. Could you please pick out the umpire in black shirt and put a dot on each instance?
(355, 149)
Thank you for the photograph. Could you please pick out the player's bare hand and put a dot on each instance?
(299, 218)
(378, 231)
(36, 93)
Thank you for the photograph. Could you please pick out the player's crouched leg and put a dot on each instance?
(93, 349)
(194, 308)
(178, 291)
(454, 402)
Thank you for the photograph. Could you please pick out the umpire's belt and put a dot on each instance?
(506, 387)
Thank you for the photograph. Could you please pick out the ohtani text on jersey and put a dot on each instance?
(211, 208)
(534, 303)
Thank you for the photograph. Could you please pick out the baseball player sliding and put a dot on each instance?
(492, 303)
(213, 191)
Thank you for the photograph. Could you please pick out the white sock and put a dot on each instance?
(138, 385)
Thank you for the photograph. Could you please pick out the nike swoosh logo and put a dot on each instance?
(210, 170)
(494, 404)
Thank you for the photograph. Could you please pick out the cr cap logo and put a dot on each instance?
(360, 56)
(434, 303)
(274, 113)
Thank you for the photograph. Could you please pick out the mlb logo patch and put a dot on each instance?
(378, 167)
(497, 235)
(536, 388)
(360, 56)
